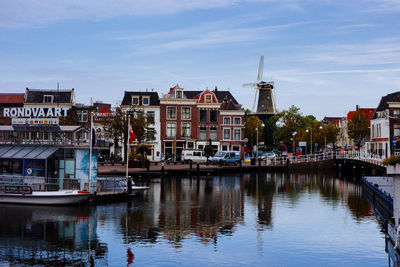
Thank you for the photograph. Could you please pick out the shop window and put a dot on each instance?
(224, 147)
(236, 148)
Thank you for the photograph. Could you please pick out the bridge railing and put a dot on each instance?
(354, 155)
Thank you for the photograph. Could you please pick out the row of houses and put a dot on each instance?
(384, 127)
(181, 119)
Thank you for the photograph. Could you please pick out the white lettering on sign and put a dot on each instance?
(35, 112)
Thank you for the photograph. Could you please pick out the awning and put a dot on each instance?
(27, 152)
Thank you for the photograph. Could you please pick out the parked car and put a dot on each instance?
(194, 156)
(269, 155)
(226, 157)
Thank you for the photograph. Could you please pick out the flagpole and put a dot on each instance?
(90, 153)
(127, 149)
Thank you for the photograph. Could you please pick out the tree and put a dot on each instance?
(268, 133)
(358, 128)
(117, 128)
(250, 131)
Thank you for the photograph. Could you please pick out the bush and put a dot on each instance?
(393, 160)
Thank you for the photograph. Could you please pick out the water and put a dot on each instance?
(272, 220)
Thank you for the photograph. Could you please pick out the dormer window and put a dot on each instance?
(145, 100)
(135, 100)
(208, 98)
(48, 99)
(178, 94)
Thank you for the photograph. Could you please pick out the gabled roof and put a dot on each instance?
(367, 112)
(224, 96)
(11, 98)
(229, 105)
(383, 104)
(154, 99)
(60, 96)
(200, 97)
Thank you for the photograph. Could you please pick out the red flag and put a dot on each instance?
(132, 136)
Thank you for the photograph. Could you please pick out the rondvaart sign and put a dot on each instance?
(35, 112)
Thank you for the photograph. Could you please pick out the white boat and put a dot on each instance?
(23, 194)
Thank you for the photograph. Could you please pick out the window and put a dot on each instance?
(213, 134)
(178, 94)
(203, 115)
(238, 121)
(145, 100)
(203, 133)
(82, 115)
(208, 98)
(396, 129)
(227, 120)
(185, 113)
(236, 134)
(150, 134)
(171, 113)
(224, 147)
(213, 116)
(135, 100)
(236, 148)
(48, 99)
(227, 134)
(150, 117)
(190, 145)
(185, 129)
(200, 146)
(171, 129)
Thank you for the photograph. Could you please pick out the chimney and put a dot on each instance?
(215, 89)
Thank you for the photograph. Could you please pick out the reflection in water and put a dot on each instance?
(247, 220)
(39, 235)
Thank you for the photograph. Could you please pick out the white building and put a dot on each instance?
(147, 104)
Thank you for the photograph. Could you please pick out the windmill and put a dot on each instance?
(264, 91)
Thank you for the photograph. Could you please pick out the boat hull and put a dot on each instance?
(46, 198)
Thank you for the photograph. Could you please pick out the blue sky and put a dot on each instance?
(324, 56)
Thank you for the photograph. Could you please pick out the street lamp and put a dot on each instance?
(262, 125)
(310, 139)
(324, 136)
(294, 150)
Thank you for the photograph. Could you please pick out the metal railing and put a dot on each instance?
(39, 183)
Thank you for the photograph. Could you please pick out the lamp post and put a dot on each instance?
(325, 138)
(262, 125)
(310, 139)
(294, 150)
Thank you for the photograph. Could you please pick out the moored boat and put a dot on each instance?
(23, 194)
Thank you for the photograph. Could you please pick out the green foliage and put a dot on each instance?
(393, 160)
(117, 128)
(250, 130)
(358, 128)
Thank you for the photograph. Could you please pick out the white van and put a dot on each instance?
(189, 155)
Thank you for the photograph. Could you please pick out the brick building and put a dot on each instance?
(9, 100)
(194, 119)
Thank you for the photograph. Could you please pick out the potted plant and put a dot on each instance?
(392, 164)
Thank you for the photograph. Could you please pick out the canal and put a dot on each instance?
(272, 219)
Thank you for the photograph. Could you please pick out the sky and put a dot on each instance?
(325, 56)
